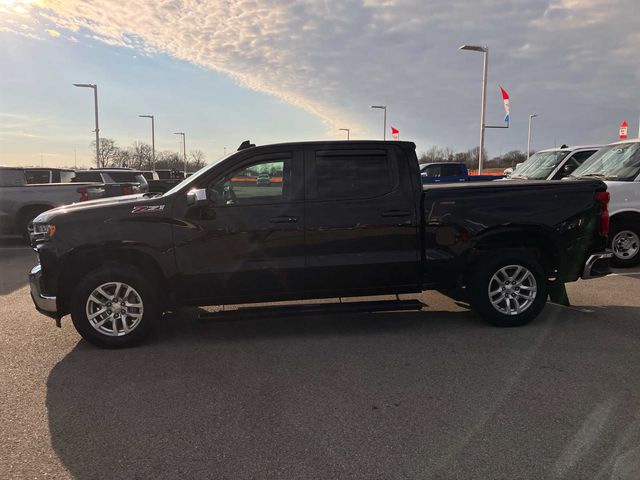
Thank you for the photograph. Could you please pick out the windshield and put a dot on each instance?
(194, 177)
(539, 165)
(615, 162)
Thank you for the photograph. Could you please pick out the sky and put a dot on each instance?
(271, 71)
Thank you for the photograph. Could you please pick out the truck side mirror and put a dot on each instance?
(197, 197)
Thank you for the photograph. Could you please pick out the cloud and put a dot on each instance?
(569, 60)
(53, 33)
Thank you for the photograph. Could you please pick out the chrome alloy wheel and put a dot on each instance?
(114, 309)
(512, 289)
(625, 244)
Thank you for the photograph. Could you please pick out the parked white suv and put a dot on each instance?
(618, 164)
(553, 163)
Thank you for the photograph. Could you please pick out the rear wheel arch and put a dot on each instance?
(77, 264)
(626, 216)
(533, 242)
(28, 213)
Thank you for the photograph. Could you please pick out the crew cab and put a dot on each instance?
(618, 164)
(344, 219)
(553, 163)
(450, 172)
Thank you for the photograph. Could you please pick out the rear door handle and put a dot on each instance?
(283, 219)
(395, 213)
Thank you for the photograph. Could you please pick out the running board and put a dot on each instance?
(314, 309)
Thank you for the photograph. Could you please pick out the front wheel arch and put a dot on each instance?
(82, 262)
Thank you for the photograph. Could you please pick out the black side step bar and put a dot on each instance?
(314, 309)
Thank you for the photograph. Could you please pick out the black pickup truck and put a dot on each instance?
(336, 219)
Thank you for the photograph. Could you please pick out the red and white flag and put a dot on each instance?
(505, 99)
(395, 133)
(624, 127)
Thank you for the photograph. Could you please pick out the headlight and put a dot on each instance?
(41, 232)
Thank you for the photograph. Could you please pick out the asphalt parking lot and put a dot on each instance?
(431, 394)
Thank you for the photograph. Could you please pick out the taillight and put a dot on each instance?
(84, 194)
(127, 190)
(603, 199)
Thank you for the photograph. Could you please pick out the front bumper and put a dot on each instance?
(597, 265)
(44, 304)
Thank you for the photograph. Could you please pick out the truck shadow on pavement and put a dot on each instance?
(372, 395)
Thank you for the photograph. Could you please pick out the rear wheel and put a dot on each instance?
(625, 243)
(114, 307)
(508, 290)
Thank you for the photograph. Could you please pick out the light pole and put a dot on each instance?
(485, 64)
(153, 140)
(95, 100)
(383, 107)
(531, 117)
(346, 130)
(184, 151)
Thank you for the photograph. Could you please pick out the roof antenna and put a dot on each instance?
(246, 144)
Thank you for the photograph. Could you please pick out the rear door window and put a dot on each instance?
(450, 171)
(37, 176)
(356, 175)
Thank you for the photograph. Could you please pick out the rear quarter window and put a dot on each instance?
(126, 177)
(88, 177)
(67, 176)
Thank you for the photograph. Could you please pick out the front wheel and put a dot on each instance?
(625, 243)
(114, 307)
(508, 290)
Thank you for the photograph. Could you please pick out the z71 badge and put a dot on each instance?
(147, 208)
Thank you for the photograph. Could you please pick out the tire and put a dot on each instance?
(527, 288)
(624, 240)
(118, 326)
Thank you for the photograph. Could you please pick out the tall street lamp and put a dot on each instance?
(95, 100)
(346, 130)
(184, 151)
(532, 116)
(485, 53)
(153, 140)
(383, 107)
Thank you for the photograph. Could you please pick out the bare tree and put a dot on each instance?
(141, 156)
(108, 152)
(195, 160)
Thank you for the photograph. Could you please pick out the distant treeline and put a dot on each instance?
(470, 157)
(139, 156)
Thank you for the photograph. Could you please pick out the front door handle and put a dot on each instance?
(283, 219)
(396, 213)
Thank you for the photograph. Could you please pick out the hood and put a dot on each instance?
(90, 205)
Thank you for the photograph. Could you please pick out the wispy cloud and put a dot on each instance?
(334, 58)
